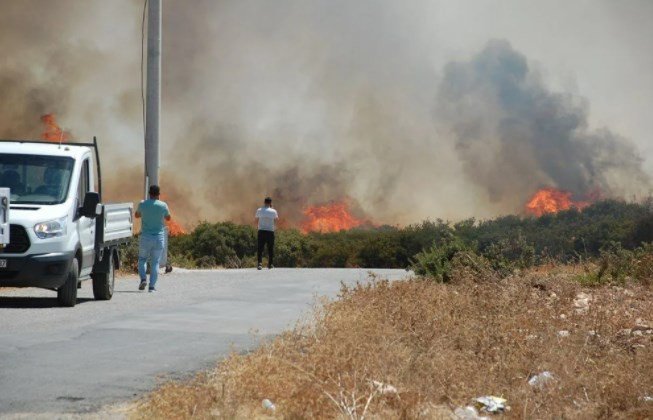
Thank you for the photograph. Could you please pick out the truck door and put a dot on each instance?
(85, 225)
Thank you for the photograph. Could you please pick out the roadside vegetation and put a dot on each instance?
(418, 348)
(502, 244)
(493, 304)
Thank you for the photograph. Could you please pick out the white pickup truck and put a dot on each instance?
(59, 231)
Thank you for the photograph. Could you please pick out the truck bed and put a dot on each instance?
(115, 224)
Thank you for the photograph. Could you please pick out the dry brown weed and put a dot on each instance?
(441, 345)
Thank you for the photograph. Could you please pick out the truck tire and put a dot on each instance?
(103, 282)
(67, 293)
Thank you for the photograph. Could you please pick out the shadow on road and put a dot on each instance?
(34, 302)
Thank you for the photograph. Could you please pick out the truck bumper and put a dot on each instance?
(45, 270)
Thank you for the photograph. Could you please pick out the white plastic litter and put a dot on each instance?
(468, 413)
(384, 388)
(268, 405)
(582, 303)
(563, 333)
(492, 404)
(540, 379)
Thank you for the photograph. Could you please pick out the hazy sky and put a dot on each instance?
(315, 101)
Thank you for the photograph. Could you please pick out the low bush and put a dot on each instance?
(506, 255)
(437, 262)
(617, 265)
(129, 255)
(333, 250)
(507, 243)
(292, 248)
(383, 251)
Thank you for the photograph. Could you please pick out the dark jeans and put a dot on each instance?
(265, 237)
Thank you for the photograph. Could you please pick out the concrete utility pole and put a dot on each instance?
(153, 98)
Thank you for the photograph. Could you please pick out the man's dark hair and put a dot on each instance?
(268, 200)
(155, 191)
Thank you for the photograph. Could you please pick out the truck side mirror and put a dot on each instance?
(91, 201)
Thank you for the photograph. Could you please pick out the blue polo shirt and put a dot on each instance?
(153, 213)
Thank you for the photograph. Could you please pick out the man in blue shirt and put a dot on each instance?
(154, 213)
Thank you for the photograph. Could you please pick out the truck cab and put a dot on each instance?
(60, 232)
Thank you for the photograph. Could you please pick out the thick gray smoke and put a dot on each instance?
(309, 102)
(299, 101)
(27, 92)
(515, 136)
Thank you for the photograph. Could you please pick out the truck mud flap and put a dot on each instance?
(102, 260)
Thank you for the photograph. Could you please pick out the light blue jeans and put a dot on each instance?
(150, 246)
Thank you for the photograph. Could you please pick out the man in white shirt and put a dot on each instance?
(266, 216)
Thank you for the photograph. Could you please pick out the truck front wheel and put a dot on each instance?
(103, 282)
(67, 293)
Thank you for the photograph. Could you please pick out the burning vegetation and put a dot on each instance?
(51, 130)
(513, 134)
(336, 216)
(506, 131)
(174, 228)
(332, 217)
(552, 200)
(408, 137)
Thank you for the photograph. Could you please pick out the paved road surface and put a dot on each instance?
(77, 360)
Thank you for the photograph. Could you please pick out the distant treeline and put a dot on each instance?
(563, 237)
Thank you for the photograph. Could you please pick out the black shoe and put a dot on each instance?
(142, 285)
(270, 267)
(260, 267)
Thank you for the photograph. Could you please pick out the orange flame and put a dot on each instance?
(174, 228)
(551, 200)
(329, 218)
(52, 132)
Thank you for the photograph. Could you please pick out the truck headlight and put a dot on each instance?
(50, 229)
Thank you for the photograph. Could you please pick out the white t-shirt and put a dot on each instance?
(266, 217)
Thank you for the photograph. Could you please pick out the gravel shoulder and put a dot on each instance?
(76, 362)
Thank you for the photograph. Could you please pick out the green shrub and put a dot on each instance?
(643, 230)
(506, 255)
(506, 243)
(129, 255)
(589, 279)
(643, 272)
(292, 248)
(382, 251)
(437, 262)
(416, 238)
(205, 261)
(218, 243)
(333, 250)
(615, 263)
(183, 261)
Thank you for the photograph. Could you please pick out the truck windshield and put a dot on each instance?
(35, 179)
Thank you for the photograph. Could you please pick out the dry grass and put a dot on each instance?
(441, 345)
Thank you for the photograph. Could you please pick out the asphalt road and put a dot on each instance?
(78, 360)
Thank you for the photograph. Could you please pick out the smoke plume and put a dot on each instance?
(514, 136)
(308, 102)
